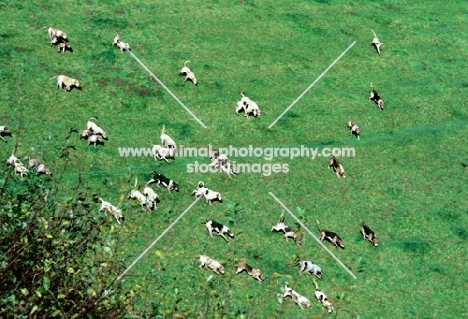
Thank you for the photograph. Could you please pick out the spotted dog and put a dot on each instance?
(40, 168)
(376, 42)
(211, 264)
(302, 301)
(167, 141)
(368, 234)
(200, 190)
(254, 272)
(288, 231)
(56, 35)
(352, 126)
(64, 46)
(220, 229)
(123, 46)
(247, 106)
(211, 196)
(67, 81)
(185, 69)
(160, 179)
(337, 167)
(161, 153)
(152, 199)
(330, 237)
(374, 96)
(136, 194)
(310, 267)
(3, 132)
(109, 208)
(323, 299)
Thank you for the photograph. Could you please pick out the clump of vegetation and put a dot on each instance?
(56, 258)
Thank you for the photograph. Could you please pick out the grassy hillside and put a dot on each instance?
(406, 180)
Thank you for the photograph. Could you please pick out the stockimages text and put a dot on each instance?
(222, 158)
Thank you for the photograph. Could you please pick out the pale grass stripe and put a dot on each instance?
(167, 89)
(313, 83)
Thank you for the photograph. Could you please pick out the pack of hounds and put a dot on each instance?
(148, 199)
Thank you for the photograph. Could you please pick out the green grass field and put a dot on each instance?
(407, 181)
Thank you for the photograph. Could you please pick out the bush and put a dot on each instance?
(56, 259)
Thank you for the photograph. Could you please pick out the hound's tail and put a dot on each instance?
(242, 93)
(54, 77)
(162, 132)
(375, 35)
(281, 219)
(185, 63)
(136, 183)
(318, 226)
(315, 283)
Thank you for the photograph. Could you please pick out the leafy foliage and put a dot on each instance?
(56, 258)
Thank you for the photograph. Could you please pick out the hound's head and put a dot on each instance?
(259, 276)
(221, 269)
(229, 232)
(76, 83)
(375, 241)
(85, 134)
(175, 186)
(131, 195)
(340, 243)
(381, 105)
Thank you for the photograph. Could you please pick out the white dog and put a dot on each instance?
(200, 190)
(94, 128)
(323, 299)
(163, 153)
(248, 106)
(376, 42)
(108, 207)
(211, 196)
(354, 128)
(302, 301)
(167, 141)
(55, 35)
(136, 194)
(191, 76)
(20, 169)
(68, 82)
(220, 229)
(185, 69)
(4, 130)
(211, 264)
(310, 267)
(151, 198)
(123, 46)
